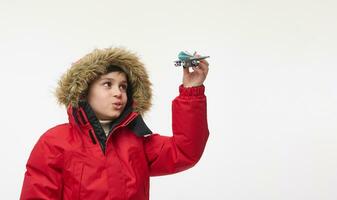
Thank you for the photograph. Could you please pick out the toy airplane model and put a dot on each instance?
(188, 60)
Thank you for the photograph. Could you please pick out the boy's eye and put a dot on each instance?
(123, 87)
(107, 84)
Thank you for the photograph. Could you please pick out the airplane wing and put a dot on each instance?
(199, 58)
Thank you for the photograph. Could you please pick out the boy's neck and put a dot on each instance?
(106, 126)
(105, 121)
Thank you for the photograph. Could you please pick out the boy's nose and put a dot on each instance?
(117, 92)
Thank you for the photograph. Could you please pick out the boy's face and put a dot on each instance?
(107, 96)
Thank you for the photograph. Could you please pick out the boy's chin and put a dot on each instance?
(114, 116)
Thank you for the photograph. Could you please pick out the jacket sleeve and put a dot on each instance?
(42, 179)
(167, 155)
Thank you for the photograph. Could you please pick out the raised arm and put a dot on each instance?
(167, 155)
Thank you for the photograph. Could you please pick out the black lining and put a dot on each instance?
(139, 127)
(98, 130)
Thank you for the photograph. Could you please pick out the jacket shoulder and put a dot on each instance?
(57, 135)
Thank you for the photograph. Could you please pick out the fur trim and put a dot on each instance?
(75, 82)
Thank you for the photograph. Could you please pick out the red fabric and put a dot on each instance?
(66, 164)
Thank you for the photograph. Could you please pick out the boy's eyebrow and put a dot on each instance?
(111, 79)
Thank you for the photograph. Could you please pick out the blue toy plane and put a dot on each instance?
(188, 60)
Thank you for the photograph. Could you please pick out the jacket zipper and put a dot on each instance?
(117, 127)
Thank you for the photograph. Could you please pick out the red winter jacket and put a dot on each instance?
(70, 161)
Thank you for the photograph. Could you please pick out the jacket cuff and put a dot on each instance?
(192, 91)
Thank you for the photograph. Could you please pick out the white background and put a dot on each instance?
(272, 96)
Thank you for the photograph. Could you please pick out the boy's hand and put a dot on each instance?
(197, 76)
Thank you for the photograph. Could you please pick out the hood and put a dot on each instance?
(74, 84)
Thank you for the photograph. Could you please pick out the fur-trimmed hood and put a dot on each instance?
(75, 82)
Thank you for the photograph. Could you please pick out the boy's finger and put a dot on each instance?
(204, 61)
(186, 70)
(204, 67)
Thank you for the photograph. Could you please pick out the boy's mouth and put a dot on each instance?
(117, 105)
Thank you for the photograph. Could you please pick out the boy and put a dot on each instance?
(106, 151)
